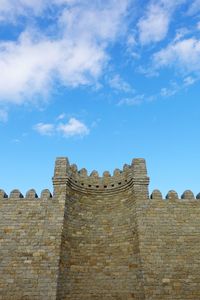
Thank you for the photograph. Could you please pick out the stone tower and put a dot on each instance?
(100, 245)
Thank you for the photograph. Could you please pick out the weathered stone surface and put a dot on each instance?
(99, 238)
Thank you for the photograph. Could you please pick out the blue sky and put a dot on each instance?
(101, 82)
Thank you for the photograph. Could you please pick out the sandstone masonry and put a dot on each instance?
(99, 238)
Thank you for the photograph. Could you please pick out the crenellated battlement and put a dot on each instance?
(31, 194)
(173, 195)
(99, 236)
(46, 194)
(82, 180)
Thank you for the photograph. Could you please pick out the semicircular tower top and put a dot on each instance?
(65, 172)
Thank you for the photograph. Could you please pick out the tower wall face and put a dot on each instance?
(99, 238)
(99, 250)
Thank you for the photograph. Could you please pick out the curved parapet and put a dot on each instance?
(96, 183)
(120, 179)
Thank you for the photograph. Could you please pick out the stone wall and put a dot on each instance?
(30, 231)
(170, 246)
(99, 238)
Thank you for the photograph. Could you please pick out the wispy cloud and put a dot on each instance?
(181, 33)
(73, 127)
(148, 71)
(15, 141)
(189, 80)
(132, 101)
(183, 55)
(170, 91)
(175, 87)
(61, 116)
(3, 115)
(119, 84)
(154, 25)
(194, 8)
(10, 10)
(44, 128)
(132, 45)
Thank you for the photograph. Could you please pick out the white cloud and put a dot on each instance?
(76, 56)
(154, 25)
(30, 67)
(73, 128)
(117, 83)
(99, 22)
(44, 129)
(183, 55)
(27, 67)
